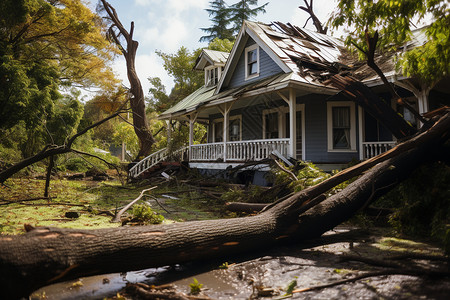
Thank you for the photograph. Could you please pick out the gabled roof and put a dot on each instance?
(210, 57)
(287, 45)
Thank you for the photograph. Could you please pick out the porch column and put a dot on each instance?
(225, 110)
(192, 118)
(292, 122)
(169, 130)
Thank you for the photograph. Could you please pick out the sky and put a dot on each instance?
(166, 25)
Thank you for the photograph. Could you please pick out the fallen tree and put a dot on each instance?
(49, 255)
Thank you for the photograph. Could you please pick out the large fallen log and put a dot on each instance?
(48, 255)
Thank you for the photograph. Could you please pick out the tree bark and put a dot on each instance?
(137, 101)
(48, 255)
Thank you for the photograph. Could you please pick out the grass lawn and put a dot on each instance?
(89, 198)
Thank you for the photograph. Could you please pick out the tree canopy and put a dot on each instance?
(393, 22)
(242, 10)
(219, 14)
(46, 45)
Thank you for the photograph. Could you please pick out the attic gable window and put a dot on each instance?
(252, 61)
(212, 75)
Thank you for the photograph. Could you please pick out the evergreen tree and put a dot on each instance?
(241, 11)
(220, 19)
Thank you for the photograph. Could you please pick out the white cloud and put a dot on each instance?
(147, 65)
(183, 5)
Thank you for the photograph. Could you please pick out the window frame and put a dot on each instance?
(247, 73)
(330, 106)
(220, 120)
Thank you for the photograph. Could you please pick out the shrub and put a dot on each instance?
(144, 214)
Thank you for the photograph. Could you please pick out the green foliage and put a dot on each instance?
(291, 286)
(393, 20)
(124, 133)
(219, 14)
(308, 175)
(144, 214)
(195, 287)
(224, 45)
(242, 10)
(421, 203)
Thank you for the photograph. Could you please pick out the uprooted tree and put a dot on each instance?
(49, 255)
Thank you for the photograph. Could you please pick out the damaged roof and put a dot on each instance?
(307, 59)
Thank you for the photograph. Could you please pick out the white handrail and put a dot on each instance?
(155, 158)
(147, 163)
(371, 149)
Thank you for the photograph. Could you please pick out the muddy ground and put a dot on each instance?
(313, 263)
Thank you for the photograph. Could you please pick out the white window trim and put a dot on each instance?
(248, 49)
(212, 68)
(330, 106)
(215, 121)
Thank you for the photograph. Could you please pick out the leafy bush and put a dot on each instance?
(144, 214)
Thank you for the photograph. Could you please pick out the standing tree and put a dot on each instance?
(219, 14)
(242, 11)
(119, 35)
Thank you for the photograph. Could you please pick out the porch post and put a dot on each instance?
(169, 130)
(192, 118)
(292, 122)
(361, 132)
(225, 110)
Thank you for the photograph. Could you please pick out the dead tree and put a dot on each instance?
(309, 9)
(48, 255)
(137, 101)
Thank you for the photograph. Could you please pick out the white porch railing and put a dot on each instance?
(155, 158)
(239, 151)
(147, 163)
(206, 152)
(371, 149)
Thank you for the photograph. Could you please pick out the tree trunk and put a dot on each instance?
(48, 255)
(137, 102)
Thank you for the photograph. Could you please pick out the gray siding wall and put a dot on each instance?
(316, 141)
(267, 68)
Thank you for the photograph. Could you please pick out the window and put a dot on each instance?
(211, 76)
(341, 126)
(252, 61)
(234, 129)
(407, 114)
(218, 132)
(271, 125)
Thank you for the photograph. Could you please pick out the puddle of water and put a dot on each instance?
(94, 287)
